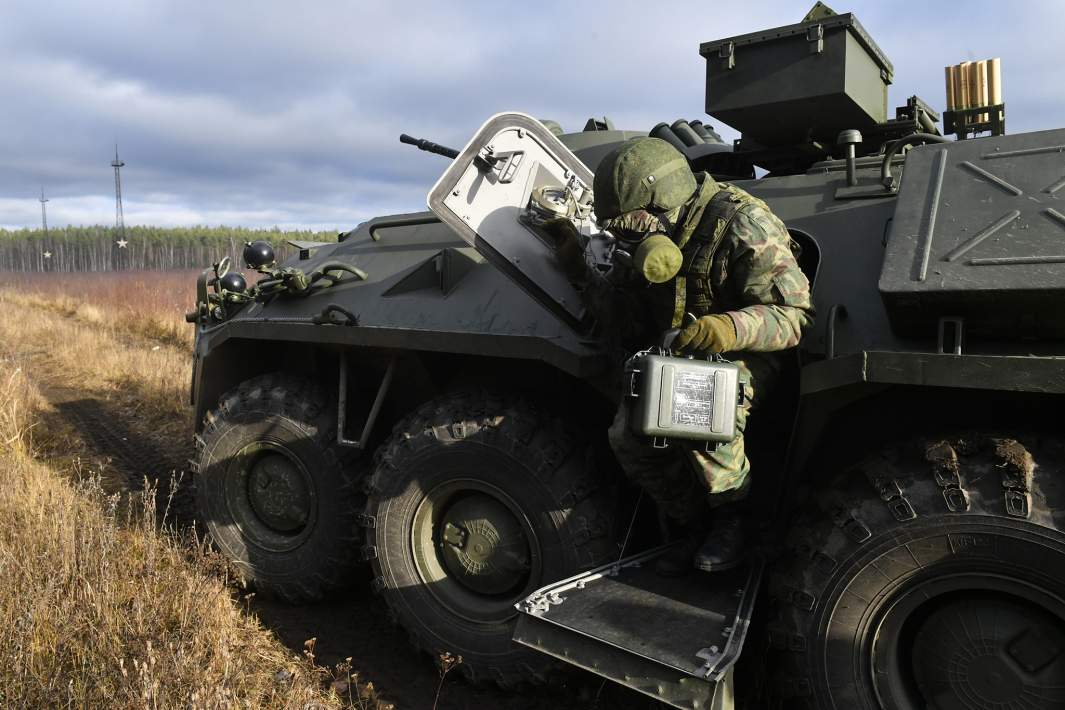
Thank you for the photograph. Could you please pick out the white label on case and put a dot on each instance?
(693, 399)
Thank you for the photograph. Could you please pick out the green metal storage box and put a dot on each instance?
(793, 84)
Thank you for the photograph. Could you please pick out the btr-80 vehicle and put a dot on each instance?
(430, 396)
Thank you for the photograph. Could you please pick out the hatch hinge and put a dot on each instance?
(951, 337)
(727, 51)
(815, 35)
(540, 604)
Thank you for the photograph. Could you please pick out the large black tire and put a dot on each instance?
(932, 576)
(512, 480)
(273, 490)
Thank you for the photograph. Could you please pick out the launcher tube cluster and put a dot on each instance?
(974, 85)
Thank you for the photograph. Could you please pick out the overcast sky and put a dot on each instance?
(286, 113)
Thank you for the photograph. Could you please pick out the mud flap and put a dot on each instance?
(674, 639)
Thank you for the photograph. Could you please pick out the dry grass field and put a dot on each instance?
(99, 605)
(147, 303)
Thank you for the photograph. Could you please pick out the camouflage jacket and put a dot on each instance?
(738, 259)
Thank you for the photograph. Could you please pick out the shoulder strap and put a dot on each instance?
(723, 207)
(691, 285)
(720, 210)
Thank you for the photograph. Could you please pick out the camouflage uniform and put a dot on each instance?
(738, 260)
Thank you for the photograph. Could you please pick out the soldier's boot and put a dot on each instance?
(723, 547)
(677, 560)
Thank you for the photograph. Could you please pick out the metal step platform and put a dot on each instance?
(674, 639)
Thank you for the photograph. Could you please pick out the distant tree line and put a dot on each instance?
(97, 248)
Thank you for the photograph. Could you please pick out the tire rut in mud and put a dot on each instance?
(140, 459)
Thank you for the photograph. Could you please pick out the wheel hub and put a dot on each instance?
(989, 677)
(278, 493)
(989, 653)
(482, 545)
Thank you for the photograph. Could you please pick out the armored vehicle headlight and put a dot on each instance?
(234, 282)
(258, 254)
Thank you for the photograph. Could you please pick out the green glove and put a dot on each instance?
(568, 249)
(712, 334)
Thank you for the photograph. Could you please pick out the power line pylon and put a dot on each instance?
(120, 226)
(44, 214)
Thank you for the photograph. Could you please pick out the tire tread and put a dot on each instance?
(554, 456)
(935, 478)
(302, 401)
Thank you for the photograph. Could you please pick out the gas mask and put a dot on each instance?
(644, 239)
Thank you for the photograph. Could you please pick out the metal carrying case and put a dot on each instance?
(683, 398)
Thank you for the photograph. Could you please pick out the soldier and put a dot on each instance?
(714, 251)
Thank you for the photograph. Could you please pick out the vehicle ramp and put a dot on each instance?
(674, 639)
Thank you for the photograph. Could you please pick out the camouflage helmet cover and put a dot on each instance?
(643, 173)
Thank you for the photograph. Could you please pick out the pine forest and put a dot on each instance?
(100, 248)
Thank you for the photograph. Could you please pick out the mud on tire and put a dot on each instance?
(932, 574)
(469, 472)
(273, 489)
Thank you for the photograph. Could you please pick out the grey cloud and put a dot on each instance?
(282, 112)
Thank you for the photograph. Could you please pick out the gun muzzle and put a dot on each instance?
(429, 146)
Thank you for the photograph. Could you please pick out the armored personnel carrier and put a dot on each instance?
(429, 396)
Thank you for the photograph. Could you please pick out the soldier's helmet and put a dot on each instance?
(641, 174)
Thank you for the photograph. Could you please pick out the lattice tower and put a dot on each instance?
(120, 226)
(44, 213)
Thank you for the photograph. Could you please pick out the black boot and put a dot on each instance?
(677, 560)
(723, 547)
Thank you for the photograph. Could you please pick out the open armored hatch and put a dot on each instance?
(674, 639)
(510, 177)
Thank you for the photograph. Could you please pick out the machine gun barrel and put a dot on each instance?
(429, 146)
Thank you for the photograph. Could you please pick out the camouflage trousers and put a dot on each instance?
(685, 479)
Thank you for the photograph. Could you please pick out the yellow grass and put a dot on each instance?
(147, 303)
(98, 607)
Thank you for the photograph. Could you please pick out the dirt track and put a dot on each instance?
(125, 445)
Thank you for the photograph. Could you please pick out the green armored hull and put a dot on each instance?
(428, 396)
